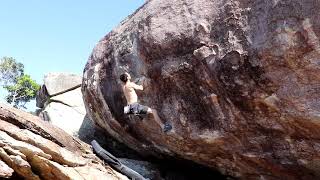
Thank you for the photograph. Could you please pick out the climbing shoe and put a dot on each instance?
(167, 127)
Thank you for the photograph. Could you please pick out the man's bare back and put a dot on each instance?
(130, 93)
(129, 88)
(133, 106)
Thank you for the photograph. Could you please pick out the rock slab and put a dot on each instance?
(61, 103)
(29, 150)
(60, 82)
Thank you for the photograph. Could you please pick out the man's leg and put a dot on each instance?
(156, 117)
(165, 127)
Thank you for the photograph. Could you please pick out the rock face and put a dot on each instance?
(57, 83)
(61, 101)
(238, 80)
(33, 149)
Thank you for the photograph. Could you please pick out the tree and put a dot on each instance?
(10, 70)
(21, 88)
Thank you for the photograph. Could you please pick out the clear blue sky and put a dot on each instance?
(57, 35)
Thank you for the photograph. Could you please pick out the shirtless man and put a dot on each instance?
(134, 107)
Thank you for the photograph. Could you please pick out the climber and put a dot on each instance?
(133, 106)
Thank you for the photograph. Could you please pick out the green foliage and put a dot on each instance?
(22, 91)
(21, 88)
(10, 70)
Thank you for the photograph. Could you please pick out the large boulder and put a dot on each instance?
(238, 80)
(33, 149)
(56, 83)
(65, 117)
(59, 82)
(60, 98)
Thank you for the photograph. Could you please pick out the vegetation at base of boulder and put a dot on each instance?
(20, 87)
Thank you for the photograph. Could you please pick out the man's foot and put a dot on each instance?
(167, 127)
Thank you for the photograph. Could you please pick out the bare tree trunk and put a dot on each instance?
(14, 98)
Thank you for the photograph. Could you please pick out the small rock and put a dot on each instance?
(203, 52)
(5, 170)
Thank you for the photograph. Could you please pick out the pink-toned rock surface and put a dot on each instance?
(239, 80)
(33, 149)
(5, 170)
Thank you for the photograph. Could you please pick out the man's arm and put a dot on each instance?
(135, 86)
